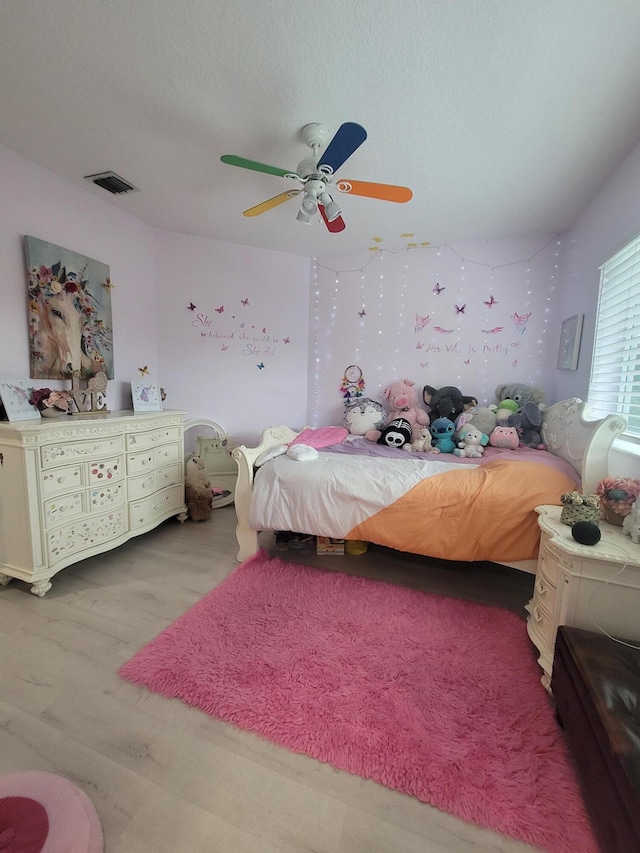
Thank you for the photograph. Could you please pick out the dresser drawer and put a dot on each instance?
(103, 498)
(541, 622)
(57, 480)
(56, 454)
(168, 453)
(85, 533)
(62, 509)
(146, 511)
(153, 438)
(109, 471)
(141, 462)
(147, 484)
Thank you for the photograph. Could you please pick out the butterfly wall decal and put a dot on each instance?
(107, 284)
(437, 289)
(225, 347)
(191, 306)
(143, 371)
(442, 331)
(491, 301)
(220, 309)
(362, 313)
(286, 340)
(419, 345)
(460, 309)
(520, 321)
(421, 322)
(260, 366)
(245, 302)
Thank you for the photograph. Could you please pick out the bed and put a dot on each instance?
(439, 506)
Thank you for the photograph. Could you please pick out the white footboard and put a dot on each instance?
(245, 459)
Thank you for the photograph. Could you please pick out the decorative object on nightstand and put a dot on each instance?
(617, 495)
(585, 586)
(577, 507)
(14, 400)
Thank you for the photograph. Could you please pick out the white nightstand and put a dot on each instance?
(580, 585)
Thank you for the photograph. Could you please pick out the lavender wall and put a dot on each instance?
(233, 322)
(473, 315)
(611, 219)
(36, 202)
(156, 275)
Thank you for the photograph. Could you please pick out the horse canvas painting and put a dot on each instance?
(70, 324)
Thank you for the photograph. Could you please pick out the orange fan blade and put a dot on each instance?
(386, 192)
(272, 202)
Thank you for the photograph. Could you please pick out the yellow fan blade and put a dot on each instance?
(386, 192)
(272, 202)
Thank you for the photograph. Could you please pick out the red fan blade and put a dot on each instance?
(336, 225)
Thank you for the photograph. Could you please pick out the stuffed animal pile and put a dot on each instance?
(402, 402)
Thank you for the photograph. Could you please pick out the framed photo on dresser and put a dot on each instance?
(14, 398)
(146, 396)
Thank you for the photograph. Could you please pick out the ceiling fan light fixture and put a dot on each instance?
(304, 217)
(331, 209)
(309, 204)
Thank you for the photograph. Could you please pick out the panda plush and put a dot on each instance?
(397, 434)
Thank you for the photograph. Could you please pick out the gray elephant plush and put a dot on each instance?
(528, 419)
(446, 402)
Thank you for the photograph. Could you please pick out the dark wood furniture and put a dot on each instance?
(596, 686)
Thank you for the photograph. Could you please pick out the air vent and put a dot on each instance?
(112, 182)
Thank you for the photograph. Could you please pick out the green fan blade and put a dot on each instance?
(232, 160)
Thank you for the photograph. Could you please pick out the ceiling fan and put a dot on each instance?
(316, 175)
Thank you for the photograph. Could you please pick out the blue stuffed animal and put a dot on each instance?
(442, 430)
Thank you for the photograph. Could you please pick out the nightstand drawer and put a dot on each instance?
(62, 509)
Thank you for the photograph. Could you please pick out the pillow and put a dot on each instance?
(302, 452)
(271, 453)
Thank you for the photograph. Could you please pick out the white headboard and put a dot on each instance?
(583, 443)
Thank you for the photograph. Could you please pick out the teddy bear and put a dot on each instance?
(470, 442)
(442, 430)
(363, 415)
(402, 401)
(446, 402)
(422, 444)
(528, 417)
(197, 490)
(484, 418)
(397, 434)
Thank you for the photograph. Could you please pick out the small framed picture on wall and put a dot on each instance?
(570, 342)
(146, 396)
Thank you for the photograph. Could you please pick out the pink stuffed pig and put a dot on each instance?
(403, 403)
(504, 436)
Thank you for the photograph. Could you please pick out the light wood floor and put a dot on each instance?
(166, 778)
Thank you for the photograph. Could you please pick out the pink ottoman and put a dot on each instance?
(45, 813)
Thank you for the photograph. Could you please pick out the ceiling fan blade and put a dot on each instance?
(272, 202)
(232, 160)
(336, 225)
(347, 139)
(386, 192)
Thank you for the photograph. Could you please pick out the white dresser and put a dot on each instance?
(76, 486)
(584, 586)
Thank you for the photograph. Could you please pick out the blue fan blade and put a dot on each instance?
(348, 138)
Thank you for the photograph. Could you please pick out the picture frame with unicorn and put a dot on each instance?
(70, 318)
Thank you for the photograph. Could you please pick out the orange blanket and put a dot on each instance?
(499, 521)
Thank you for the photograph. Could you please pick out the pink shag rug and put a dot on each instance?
(432, 696)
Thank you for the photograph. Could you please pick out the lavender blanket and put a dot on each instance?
(363, 447)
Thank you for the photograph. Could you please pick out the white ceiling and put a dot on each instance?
(503, 116)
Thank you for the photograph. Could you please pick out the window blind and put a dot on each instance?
(614, 386)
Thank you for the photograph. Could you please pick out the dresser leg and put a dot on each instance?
(4, 579)
(41, 588)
